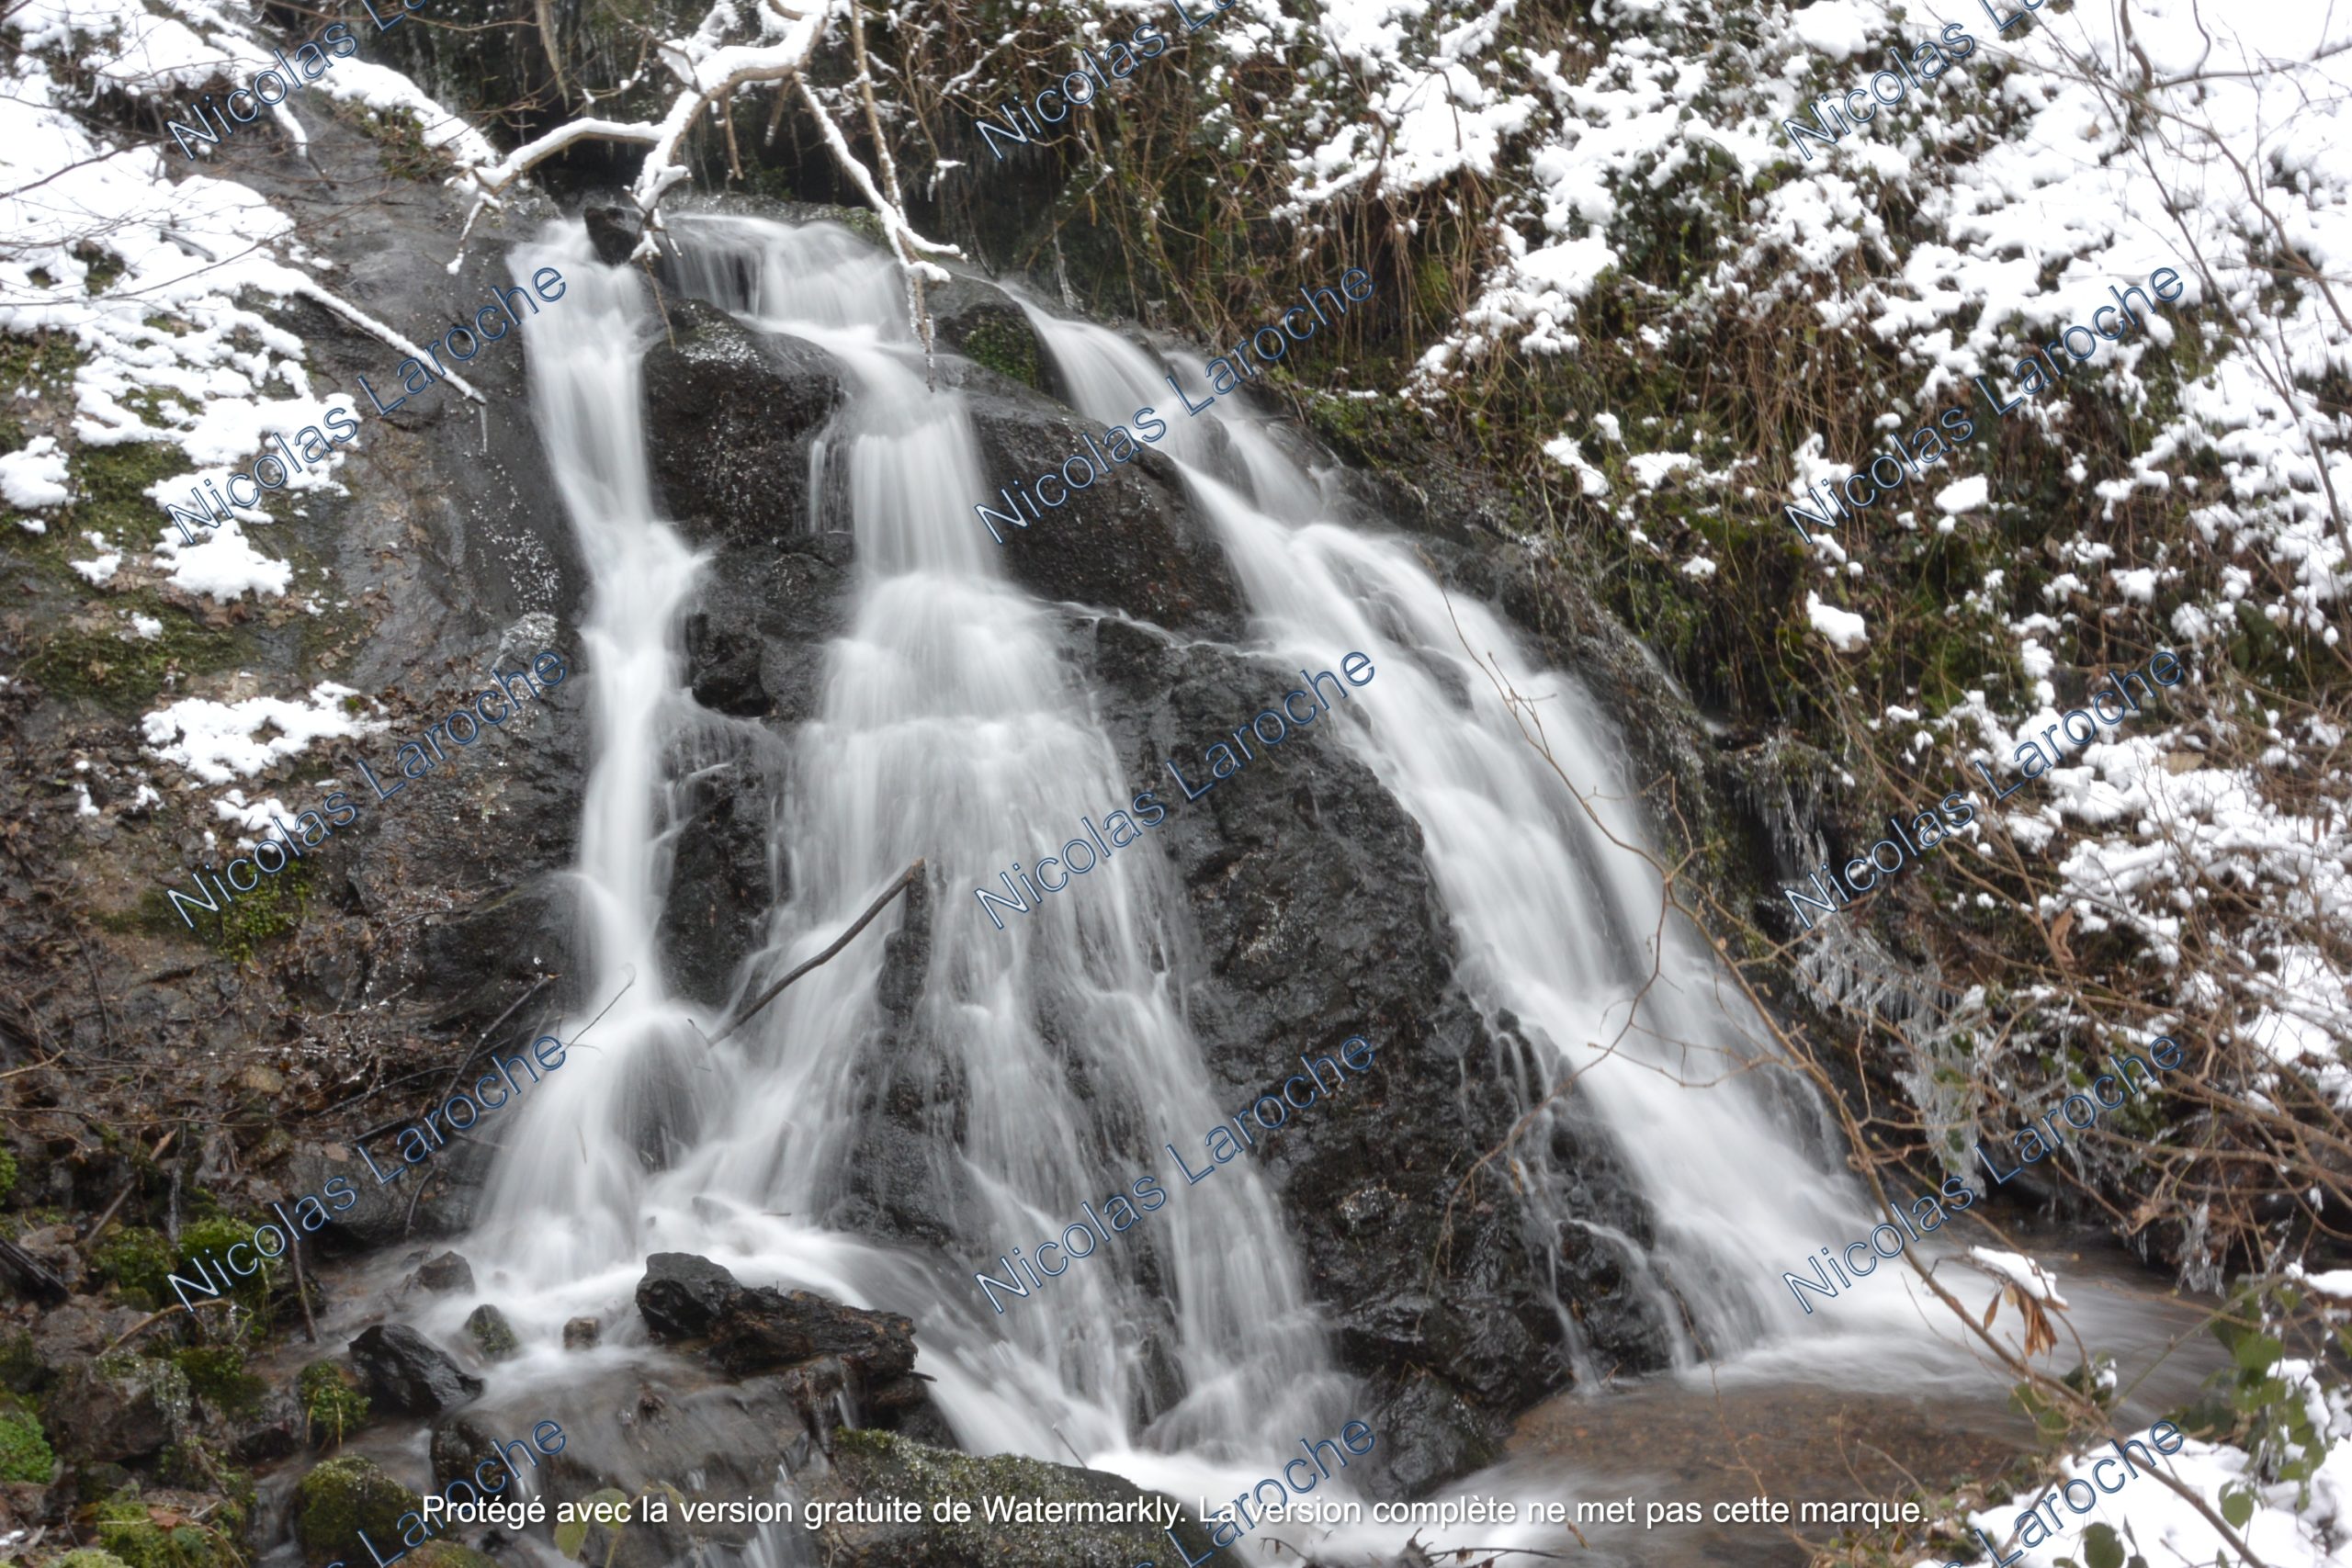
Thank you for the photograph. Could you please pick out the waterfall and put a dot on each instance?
(951, 728)
(1557, 924)
(1049, 1060)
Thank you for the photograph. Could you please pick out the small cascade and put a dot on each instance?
(1553, 903)
(951, 729)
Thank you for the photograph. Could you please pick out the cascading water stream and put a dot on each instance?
(950, 729)
(1045, 1063)
(1556, 923)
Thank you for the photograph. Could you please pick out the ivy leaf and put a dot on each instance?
(2102, 1546)
(571, 1536)
(2256, 1352)
(2237, 1506)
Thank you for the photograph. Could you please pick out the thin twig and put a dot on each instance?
(906, 880)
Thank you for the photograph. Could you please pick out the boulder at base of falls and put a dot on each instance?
(766, 1330)
(409, 1372)
(820, 1348)
(886, 1469)
(681, 1295)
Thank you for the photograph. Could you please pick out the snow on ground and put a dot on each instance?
(2040, 196)
(2163, 1528)
(218, 741)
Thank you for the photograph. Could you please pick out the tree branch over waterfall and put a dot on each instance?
(710, 74)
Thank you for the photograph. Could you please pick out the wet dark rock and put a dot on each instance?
(582, 1333)
(764, 1329)
(613, 229)
(116, 1408)
(677, 1421)
(274, 1429)
(894, 1188)
(681, 1295)
(1309, 889)
(410, 1373)
(821, 1349)
(723, 653)
(449, 1271)
(491, 1334)
(906, 955)
(378, 1219)
(730, 416)
(719, 890)
(1129, 541)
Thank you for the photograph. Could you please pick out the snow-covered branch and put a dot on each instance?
(710, 74)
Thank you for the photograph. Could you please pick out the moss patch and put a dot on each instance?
(135, 1260)
(159, 1538)
(251, 920)
(400, 141)
(217, 1374)
(25, 1454)
(342, 1498)
(1007, 349)
(126, 674)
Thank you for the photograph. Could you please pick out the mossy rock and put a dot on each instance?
(135, 1261)
(1008, 351)
(492, 1334)
(217, 1375)
(881, 1465)
(25, 1454)
(90, 1557)
(343, 1497)
(244, 924)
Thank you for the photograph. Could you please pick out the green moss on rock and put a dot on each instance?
(217, 1374)
(492, 1333)
(447, 1554)
(91, 1557)
(135, 1260)
(25, 1454)
(342, 1498)
(268, 913)
(879, 1464)
(1005, 348)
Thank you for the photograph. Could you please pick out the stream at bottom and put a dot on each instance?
(1667, 1471)
(1684, 1469)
